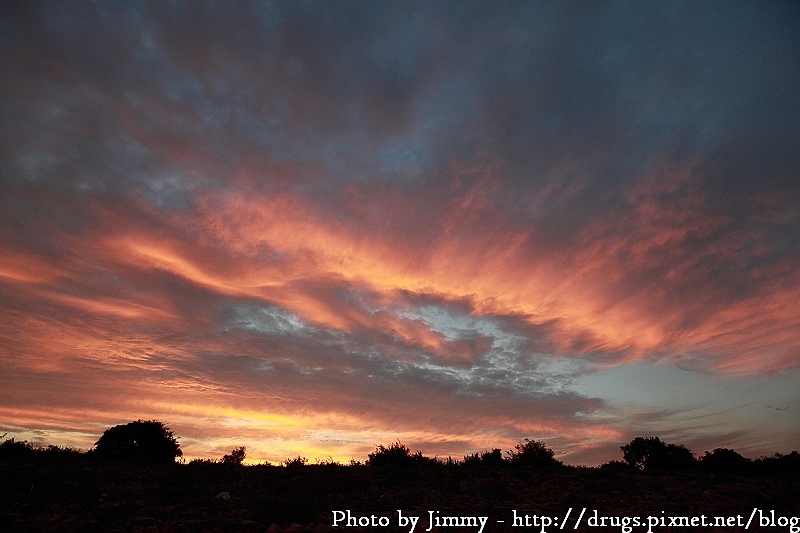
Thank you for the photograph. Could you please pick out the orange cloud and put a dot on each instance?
(621, 286)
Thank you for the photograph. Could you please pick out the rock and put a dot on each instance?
(224, 496)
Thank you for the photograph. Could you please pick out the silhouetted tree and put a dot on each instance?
(140, 441)
(532, 453)
(727, 461)
(651, 453)
(236, 456)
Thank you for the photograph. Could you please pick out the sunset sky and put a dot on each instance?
(309, 228)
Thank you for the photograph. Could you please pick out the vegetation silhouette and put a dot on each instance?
(49, 488)
(533, 453)
(295, 462)
(488, 458)
(236, 457)
(146, 441)
(620, 466)
(651, 453)
(398, 454)
(779, 465)
(724, 460)
(153, 443)
(14, 452)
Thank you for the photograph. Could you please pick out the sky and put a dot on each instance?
(310, 228)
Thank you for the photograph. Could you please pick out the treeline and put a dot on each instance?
(151, 442)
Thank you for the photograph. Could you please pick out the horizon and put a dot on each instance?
(313, 228)
(382, 447)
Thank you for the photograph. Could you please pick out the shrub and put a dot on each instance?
(492, 458)
(15, 452)
(423, 461)
(472, 460)
(236, 456)
(779, 465)
(614, 464)
(296, 462)
(486, 458)
(197, 461)
(723, 460)
(532, 453)
(651, 453)
(61, 452)
(398, 454)
(147, 441)
(449, 462)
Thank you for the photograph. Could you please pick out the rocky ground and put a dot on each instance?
(102, 496)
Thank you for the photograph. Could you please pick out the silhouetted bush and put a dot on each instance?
(296, 462)
(328, 461)
(486, 458)
(423, 461)
(779, 465)
(147, 441)
(615, 464)
(14, 452)
(651, 453)
(197, 461)
(398, 454)
(18, 452)
(61, 452)
(472, 460)
(449, 462)
(725, 461)
(236, 456)
(533, 453)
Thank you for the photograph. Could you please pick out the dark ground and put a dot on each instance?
(95, 495)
